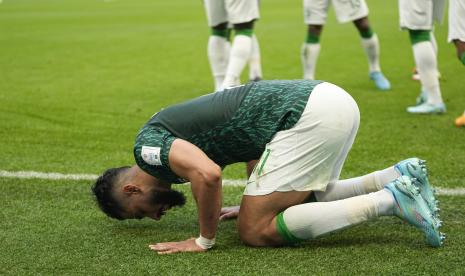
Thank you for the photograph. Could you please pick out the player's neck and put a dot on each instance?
(142, 178)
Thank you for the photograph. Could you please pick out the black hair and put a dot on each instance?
(103, 192)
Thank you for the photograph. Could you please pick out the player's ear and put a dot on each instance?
(130, 189)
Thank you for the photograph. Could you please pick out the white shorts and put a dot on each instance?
(231, 11)
(420, 14)
(310, 154)
(316, 11)
(456, 20)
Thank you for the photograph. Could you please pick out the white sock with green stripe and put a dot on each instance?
(425, 59)
(239, 56)
(312, 220)
(218, 55)
(371, 47)
(255, 65)
(361, 185)
(309, 56)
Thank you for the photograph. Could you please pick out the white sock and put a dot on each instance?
(426, 62)
(312, 220)
(371, 47)
(435, 47)
(434, 43)
(255, 66)
(309, 56)
(361, 185)
(240, 54)
(218, 55)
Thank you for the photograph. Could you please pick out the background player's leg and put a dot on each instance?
(218, 52)
(370, 44)
(456, 34)
(426, 62)
(310, 51)
(241, 50)
(255, 65)
(416, 76)
(460, 45)
(434, 43)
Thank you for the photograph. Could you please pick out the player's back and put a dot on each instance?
(235, 124)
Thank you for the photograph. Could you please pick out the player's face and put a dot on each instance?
(153, 204)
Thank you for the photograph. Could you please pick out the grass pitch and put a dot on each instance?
(79, 78)
(52, 228)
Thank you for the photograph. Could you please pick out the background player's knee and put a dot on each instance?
(313, 33)
(221, 30)
(363, 27)
(244, 28)
(460, 45)
(417, 36)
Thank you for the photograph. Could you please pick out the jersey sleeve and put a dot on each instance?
(151, 151)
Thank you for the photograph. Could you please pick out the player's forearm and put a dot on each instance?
(208, 197)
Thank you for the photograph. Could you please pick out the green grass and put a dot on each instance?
(78, 78)
(51, 229)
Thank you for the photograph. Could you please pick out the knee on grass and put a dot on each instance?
(258, 234)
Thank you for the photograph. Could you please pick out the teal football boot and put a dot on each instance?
(381, 82)
(426, 108)
(411, 207)
(416, 169)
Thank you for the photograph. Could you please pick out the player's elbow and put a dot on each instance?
(211, 176)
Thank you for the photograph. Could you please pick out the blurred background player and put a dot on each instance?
(417, 17)
(227, 61)
(457, 35)
(315, 13)
(415, 75)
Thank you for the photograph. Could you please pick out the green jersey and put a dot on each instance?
(229, 126)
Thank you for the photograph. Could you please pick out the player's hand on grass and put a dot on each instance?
(229, 212)
(176, 247)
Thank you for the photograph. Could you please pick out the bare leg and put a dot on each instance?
(218, 52)
(281, 218)
(250, 166)
(460, 46)
(241, 50)
(257, 216)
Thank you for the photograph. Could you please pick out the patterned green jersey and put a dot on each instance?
(233, 125)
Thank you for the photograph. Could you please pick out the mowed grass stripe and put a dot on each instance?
(226, 182)
(55, 228)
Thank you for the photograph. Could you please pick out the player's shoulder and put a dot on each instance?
(280, 84)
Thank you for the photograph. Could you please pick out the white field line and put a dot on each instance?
(51, 176)
(226, 182)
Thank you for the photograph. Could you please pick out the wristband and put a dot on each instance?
(204, 242)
